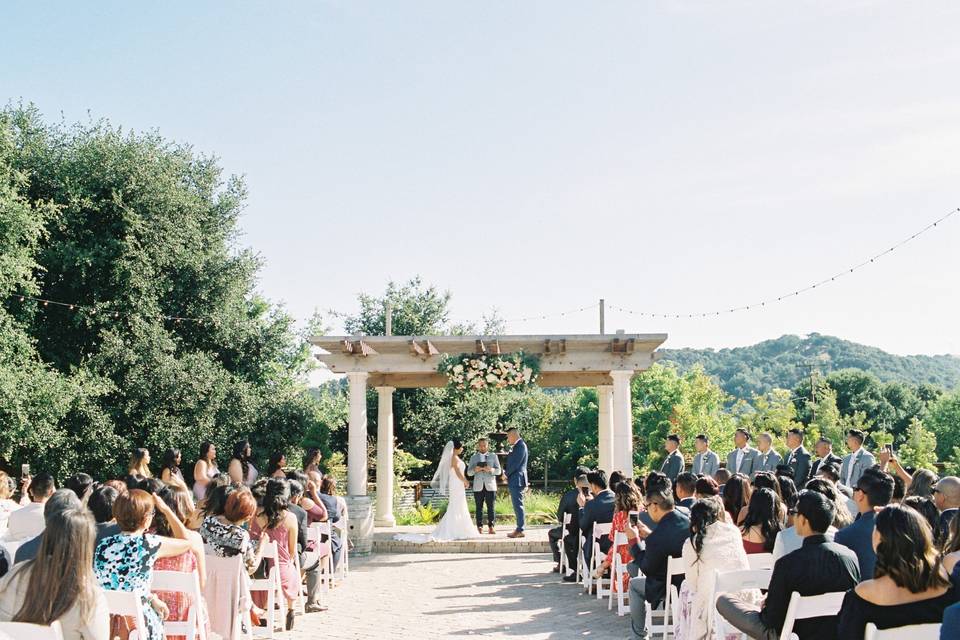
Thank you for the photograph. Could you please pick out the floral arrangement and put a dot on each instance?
(469, 372)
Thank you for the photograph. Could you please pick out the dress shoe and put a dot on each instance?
(491, 531)
(516, 534)
(314, 607)
(480, 530)
(556, 568)
(570, 578)
(290, 618)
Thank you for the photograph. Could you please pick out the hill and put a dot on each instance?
(746, 371)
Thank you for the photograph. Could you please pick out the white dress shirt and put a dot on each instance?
(853, 460)
(26, 522)
(740, 453)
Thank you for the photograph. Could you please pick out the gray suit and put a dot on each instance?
(864, 461)
(747, 465)
(768, 461)
(673, 465)
(484, 479)
(705, 463)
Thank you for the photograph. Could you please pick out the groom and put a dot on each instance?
(484, 467)
(516, 477)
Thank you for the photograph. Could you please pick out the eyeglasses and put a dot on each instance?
(935, 490)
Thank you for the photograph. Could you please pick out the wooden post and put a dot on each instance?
(388, 319)
(601, 315)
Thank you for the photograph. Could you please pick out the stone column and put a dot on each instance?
(605, 440)
(357, 436)
(622, 422)
(384, 516)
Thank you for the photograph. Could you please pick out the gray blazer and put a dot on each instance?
(747, 466)
(483, 479)
(768, 461)
(673, 465)
(706, 463)
(864, 461)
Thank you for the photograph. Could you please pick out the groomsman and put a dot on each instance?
(743, 459)
(798, 458)
(825, 455)
(673, 465)
(767, 457)
(706, 462)
(857, 461)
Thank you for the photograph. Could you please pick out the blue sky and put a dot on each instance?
(536, 156)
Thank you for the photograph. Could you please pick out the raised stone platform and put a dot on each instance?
(535, 542)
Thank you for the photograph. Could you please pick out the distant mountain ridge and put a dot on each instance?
(746, 371)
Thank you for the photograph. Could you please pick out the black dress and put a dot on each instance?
(857, 612)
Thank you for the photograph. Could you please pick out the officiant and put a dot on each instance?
(485, 468)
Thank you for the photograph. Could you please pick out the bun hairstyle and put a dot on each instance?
(457, 444)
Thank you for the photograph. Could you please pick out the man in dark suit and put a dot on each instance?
(825, 455)
(333, 515)
(798, 458)
(666, 541)
(570, 535)
(673, 464)
(516, 471)
(819, 566)
(946, 495)
(684, 487)
(595, 507)
(874, 489)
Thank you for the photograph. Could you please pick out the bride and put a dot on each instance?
(449, 480)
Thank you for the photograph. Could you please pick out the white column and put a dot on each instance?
(357, 437)
(384, 516)
(622, 422)
(605, 440)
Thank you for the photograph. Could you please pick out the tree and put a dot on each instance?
(944, 421)
(919, 449)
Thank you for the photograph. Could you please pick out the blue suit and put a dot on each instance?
(951, 622)
(516, 470)
(858, 537)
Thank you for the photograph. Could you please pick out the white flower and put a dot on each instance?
(491, 378)
(458, 368)
(527, 373)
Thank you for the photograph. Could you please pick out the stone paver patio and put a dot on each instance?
(455, 595)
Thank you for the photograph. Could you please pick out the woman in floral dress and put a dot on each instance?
(627, 500)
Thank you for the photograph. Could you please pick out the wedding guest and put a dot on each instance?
(946, 495)
(58, 584)
(714, 546)
(226, 535)
(204, 470)
(722, 476)
(626, 499)
(685, 487)
(60, 501)
(922, 483)
(673, 464)
(7, 504)
(124, 562)
(139, 463)
(762, 523)
(170, 467)
(651, 549)
(789, 540)
(899, 489)
(874, 489)
(743, 459)
(571, 535)
(310, 500)
(27, 521)
(767, 480)
(616, 477)
(819, 566)
(119, 485)
(926, 508)
(311, 465)
(336, 510)
(950, 629)
(909, 582)
(736, 496)
(595, 508)
(101, 506)
(80, 484)
(277, 522)
(241, 469)
(790, 495)
(706, 487)
(276, 464)
(857, 461)
(705, 462)
(767, 457)
(825, 455)
(213, 504)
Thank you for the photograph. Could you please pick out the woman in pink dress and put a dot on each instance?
(205, 469)
(280, 526)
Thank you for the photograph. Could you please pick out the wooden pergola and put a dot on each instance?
(386, 363)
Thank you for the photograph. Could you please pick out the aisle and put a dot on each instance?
(454, 595)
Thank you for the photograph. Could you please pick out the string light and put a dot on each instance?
(554, 315)
(797, 292)
(91, 310)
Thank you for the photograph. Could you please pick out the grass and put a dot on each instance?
(540, 507)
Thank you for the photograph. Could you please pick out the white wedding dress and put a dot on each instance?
(456, 523)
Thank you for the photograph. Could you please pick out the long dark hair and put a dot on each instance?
(275, 502)
(764, 513)
(703, 513)
(178, 499)
(626, 497)
(312, 456)
(205, 450)
(735, 493)
(273, 464)
(170, 461)
(240, 453)
(788, 490)
(906, 552)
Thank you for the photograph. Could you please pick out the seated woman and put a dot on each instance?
(736, 497)
(59, 581)
(124, 562)
(714, 545)
(790, 495)
(909, 584)
(276, 522)
(216, 497)
(177, 497)
(627, 499)
(951, 553)
(762, 523)
(226, 534)
(311, 501)
(329, 488)
(767, 480)
(706, 487)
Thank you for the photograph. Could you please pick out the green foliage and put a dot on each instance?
(944, 421)
(421, 514)
(919, 450)
(539, 508)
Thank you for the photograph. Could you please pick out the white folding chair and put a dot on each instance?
(189, 584)
(802, 607)
(760, 560)
(600, 531)
(582, 573)
(343, 561)
(227, 579)
(910, 632)
(564, 534)
(276, 601)
(617, 571)
(321, 553)
(127, 603)
(671, 605)
(25, 631)
(734, 581)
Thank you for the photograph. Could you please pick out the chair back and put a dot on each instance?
(567, 519)
(25, 631)
(187, 583)
(733, 581)
(910, 632)
(802, 607)
(675, 567)
(226, 587)
(619, 540)
(127, 603)
(601, 529)
(760, 561)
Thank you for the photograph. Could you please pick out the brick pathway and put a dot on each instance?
(400, 596)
